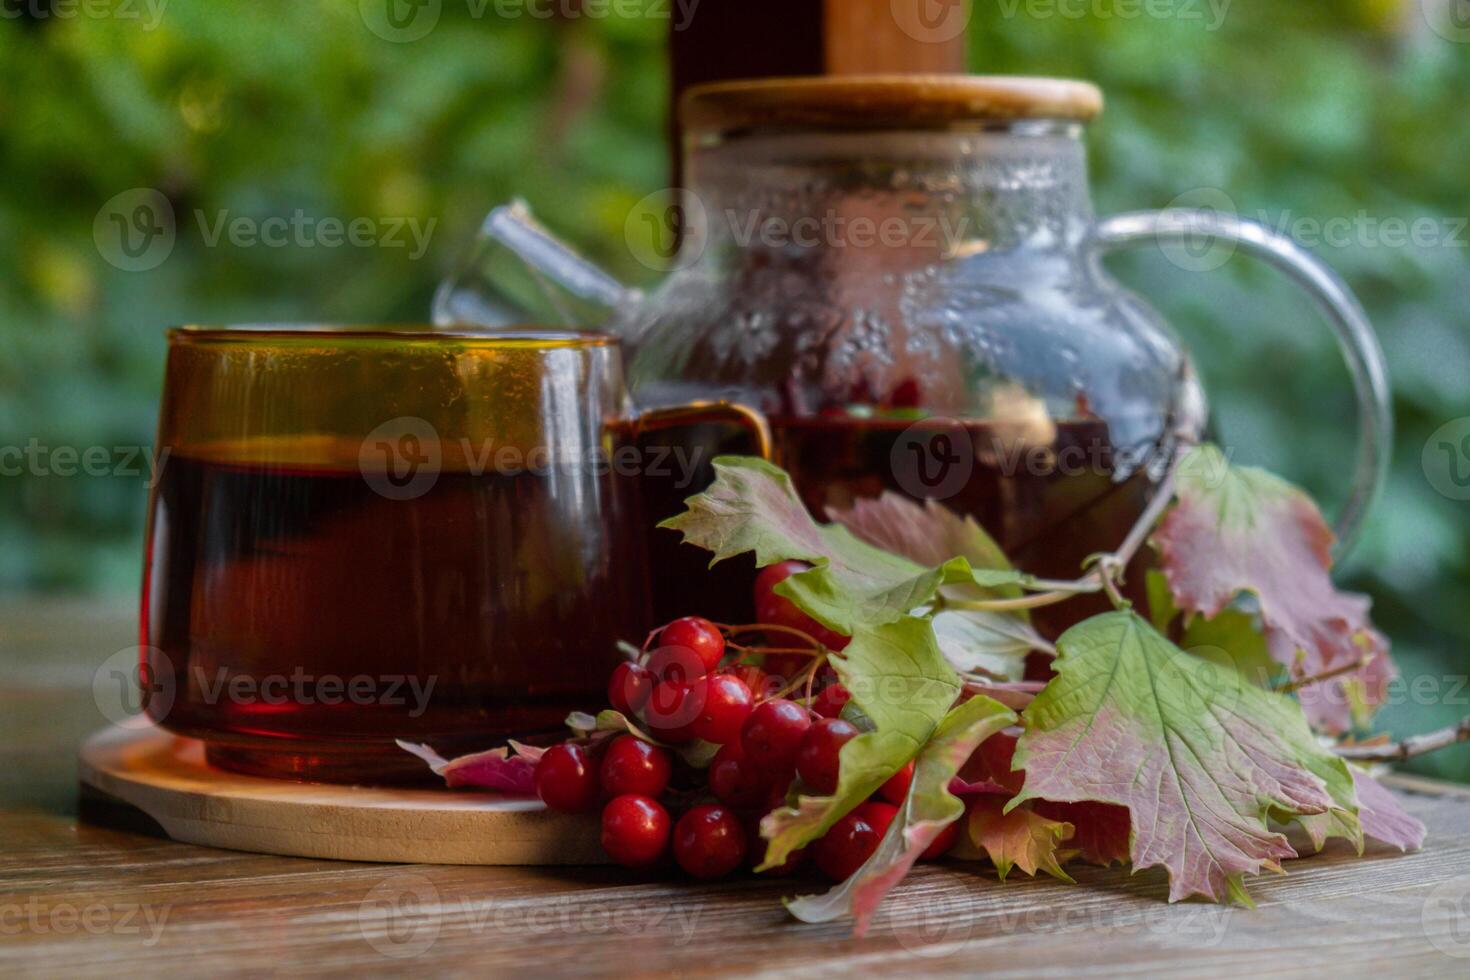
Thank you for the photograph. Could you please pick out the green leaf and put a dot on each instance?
(697, 753)
(987, 642)
(927, 533)
(1232, 640)
(752, 507)
(1199, 757)
(900, 681)
(929, 808)
(1161, 608)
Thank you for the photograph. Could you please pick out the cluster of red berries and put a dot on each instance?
(693, 682)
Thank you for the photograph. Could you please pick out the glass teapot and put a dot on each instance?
(903, 273)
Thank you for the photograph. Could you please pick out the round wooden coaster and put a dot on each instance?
(127, 769)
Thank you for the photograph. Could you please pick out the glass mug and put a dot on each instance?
(362, 534)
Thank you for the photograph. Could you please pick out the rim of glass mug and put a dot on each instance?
(413, 333)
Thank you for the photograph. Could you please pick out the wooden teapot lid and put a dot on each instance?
(886, 101)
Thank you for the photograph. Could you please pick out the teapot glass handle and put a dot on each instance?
(1360, 348)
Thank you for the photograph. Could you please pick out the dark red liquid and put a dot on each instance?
(306, 620)
(1049, 506)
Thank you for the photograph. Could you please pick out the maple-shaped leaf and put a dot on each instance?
(1102, 830)
(990, 765)
(992, 643)
(928, 533)
(1200, 758)
(901, 684)
(1383, 818)
(1018, 838)
(1241, 529)
(752, 506)
(929, 808)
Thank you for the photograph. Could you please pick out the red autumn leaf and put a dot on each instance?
(991, 766)
(1100, 830)
(1242, 530)
(1201, 758)
(1020, 838)
(496, 769)
(1382, 817)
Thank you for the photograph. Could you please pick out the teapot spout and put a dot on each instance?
(517, 273)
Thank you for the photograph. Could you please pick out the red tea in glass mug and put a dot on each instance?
(362, 535)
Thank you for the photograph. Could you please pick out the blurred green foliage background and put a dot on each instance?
(1300, 110)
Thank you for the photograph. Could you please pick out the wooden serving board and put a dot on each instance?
(145, 777)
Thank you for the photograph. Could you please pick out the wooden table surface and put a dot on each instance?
(78, 900)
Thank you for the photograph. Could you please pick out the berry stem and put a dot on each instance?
(812, 641)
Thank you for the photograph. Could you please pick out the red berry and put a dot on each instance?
(760, 684)
(736, 780)
(672, 709)
(631, 765)
(780, 611)
(829, 701)
(565, 778)
(697, 634)
(880, 815)
(773, 732)
(943, 842)
(780, 788)
(727, 703)
(709, 841)
(629, 687)
(896, 790)
(635, 830)
(772, 575)
(843, 849)
(678, 664)
(817, 756)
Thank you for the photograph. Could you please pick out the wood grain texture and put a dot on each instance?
(77, 900)
(866, 37)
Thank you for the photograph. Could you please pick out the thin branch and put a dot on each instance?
(1110, 574)
(1409, 747)
(1100, 577)
(1160, 502)
(1326, 675)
